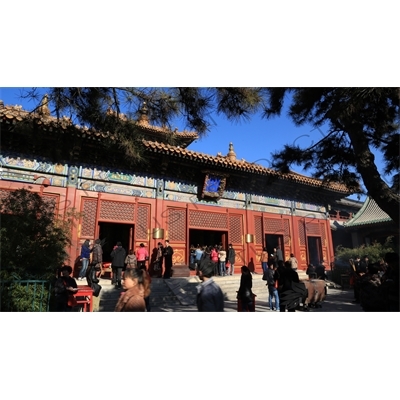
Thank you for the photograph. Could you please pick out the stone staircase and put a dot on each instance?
(161, 296)
(179, 293)
(185, 288)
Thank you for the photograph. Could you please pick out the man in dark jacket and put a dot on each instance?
(231, 257)
(65, 287)
(168, 253)
(209, 294)
(292, 292)
(320, 270)
(118, 256)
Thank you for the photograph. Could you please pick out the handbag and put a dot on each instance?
(265, 276)
(227, 264)
(96, 289)
(276, 284)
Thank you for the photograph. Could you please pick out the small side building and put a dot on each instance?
(371, 224)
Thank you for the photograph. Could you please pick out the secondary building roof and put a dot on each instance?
(370, 213)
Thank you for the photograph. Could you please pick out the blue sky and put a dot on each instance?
(254, 140)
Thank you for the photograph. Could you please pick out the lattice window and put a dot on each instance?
(286, 236)
(302, 234)
(258, 229)
(142, 222)
(235, 228)
(3, 193)
(323, 235)
(273, 225)
(89, 209)
(116, 211)
(177, 224)
(313, 229)
(202, 219)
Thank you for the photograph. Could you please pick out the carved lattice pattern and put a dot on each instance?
(3, 193)
(116, 211)
(323, 235)
(313, 229)
(273, 225)
(177, 224)
(89, 210)
(302, 234)
(258, 230)
(286, 235)
(235, 228)
(202, 219)
(142, 223)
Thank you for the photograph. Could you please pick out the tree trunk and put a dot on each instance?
(384, 196)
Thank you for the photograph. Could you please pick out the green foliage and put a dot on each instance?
(32, 238)
(24, 296)
(375, 252)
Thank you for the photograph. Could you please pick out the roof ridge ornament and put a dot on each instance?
(43, 109)
(231, 154)
(143, 115)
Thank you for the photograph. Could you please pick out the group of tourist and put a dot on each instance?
(376, 285)
(223, 261)
(316, 272)
(281, 279)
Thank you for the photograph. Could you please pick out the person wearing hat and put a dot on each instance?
(209, 294)
(64, 288)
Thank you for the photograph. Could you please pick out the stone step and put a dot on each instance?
(160, 295)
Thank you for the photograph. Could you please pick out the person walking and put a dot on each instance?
(214, 259)
(131, 260)
(158, 262)
(85, 257)
(264, 260)
(198, 256)
(97, 260)
(209, 294)
(320, 270)
(293, 261)
(117, 264)
(168, 253)
(292, 292)
(245, 294)
(142, 256)
(192, 257)
(272, 283)
(222, 260)
(231, 258)
(311, 272)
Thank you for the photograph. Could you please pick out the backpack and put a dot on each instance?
(291, 299)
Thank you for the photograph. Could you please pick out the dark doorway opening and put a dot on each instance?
(272, 241)
(110, 233)
(208, 238)
(314, 250)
